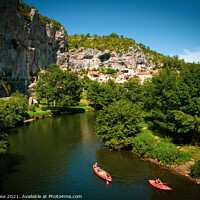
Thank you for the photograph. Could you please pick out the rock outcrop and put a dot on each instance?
(26, 46)
(92, 58)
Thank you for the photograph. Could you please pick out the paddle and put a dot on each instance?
(167, 183)
(107, 182)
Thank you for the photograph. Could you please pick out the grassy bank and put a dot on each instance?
(42, 110)
(184, 159)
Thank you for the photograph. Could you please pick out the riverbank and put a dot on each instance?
(183, 169)
(38, 113)
(150, 141)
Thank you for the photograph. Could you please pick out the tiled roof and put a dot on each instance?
(92, 73)
(155, 73)
(143, 73)
(119, 73)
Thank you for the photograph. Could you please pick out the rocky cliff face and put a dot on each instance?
(26, 46)
(92, 58)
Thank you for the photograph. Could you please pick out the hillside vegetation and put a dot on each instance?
(120, 44)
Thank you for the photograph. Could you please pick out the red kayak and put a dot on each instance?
(159, 186)
(101, 173)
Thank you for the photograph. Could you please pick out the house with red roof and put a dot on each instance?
(144, 75)
(93, 75)
(120, 77)
(102, 77)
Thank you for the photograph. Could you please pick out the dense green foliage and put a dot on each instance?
(173, 99)
(166, 152)
(144, 144)
(25, 10)
(195, 170)
(118, 123)
(8, 88)
(111, 42)
(134, 90)
(12, 110)
(105, 93)
(60, 88)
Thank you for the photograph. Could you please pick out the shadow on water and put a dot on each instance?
(9, 163)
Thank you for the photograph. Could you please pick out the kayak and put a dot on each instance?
(162, 187)
(101, 173)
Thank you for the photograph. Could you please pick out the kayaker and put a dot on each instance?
(107, 176)
(158, 181)
(96, 165)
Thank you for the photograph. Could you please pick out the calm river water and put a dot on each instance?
(55, 156)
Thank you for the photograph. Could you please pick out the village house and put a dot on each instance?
(128, 71)
(102, 77)
(108, 77)
(120, 77)
(141, 67)
(93, 75)
(131, 71)
(143, 76)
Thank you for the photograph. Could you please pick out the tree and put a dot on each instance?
(118, 123)
(93, 92)
(12, 110)
(174, 103)
(134, 90)
(104, 94)
(58, 87)
(114, 35)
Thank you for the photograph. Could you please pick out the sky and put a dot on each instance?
(170, 27)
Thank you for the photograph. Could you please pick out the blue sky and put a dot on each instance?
(171, 27)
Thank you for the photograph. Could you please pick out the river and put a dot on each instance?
(54, 156)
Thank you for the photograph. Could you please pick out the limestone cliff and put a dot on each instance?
(26, 46)
(92, 58)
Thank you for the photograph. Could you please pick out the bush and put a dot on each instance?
(168, 154)
(44, 108)
(144, 143)
(195, 170)
(32, 107)
(165, 152)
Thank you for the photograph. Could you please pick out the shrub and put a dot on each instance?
(32, 107)
(195, 170)
(44, 108)
(168, 154)
(144, 143)
(165, 152)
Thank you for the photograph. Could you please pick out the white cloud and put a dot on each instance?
(189, 56)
